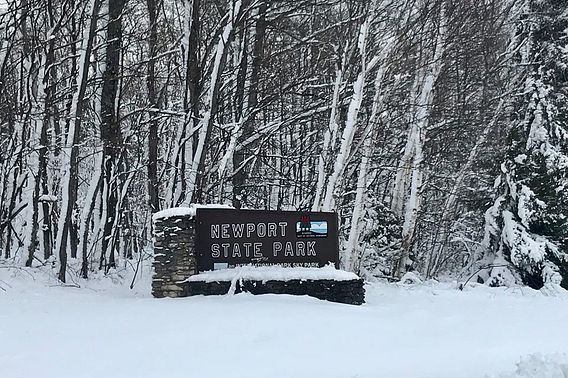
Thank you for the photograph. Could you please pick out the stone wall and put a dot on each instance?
(174, 258)
(349, 292)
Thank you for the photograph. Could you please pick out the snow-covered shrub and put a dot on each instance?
(540, 366)
(381, 240)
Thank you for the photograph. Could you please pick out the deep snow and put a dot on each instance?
(426, 330)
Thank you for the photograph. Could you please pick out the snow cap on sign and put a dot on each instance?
(185, 211)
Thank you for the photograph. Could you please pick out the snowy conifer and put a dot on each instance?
(527, 225)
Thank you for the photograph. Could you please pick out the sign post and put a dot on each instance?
(228, 238)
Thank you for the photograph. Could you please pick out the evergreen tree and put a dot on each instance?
(527, 225)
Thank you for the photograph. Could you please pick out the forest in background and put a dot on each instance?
(437, 129)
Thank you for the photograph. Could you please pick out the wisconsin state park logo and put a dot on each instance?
(307, 228)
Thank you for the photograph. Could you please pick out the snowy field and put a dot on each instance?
(427, 330)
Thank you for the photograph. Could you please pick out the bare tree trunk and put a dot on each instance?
(239, 176)
(181, 164)
(351, 122)
(110, 133)
(154, 201)
(49, 121)
(69, 166)
(32, 79)
(411, 170)
(327, 138)
(351, 257)
(197, 174)
(451, 200)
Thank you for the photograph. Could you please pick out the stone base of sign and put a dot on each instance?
(174, 259)
(349, 291)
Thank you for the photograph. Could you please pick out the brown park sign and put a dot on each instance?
(227, 238)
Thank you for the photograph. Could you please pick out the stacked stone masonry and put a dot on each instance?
(349, 292)
(174, 258)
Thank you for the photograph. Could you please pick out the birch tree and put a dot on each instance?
(407, 192)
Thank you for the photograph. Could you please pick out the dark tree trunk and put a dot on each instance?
(77, 117)
(110, 132)
(192, 89)
(154, 202)
(49, 121)
(239, 178)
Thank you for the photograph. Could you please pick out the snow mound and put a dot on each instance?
(410, 278)
(278, 273)
(185, 211)
(540, 366)
(17, 280)
(554, 290)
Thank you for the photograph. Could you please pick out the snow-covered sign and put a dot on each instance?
(227, 238)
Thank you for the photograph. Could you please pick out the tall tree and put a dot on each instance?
(527, 224)
(250, 107)
(111, 134)
(69, 164)
(151, 82)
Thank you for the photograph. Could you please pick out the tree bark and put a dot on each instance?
(110, 133)
(153, 199)
(239, 176)
(70, 166)
(198, 175)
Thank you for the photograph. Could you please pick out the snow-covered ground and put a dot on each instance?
(426, 330)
